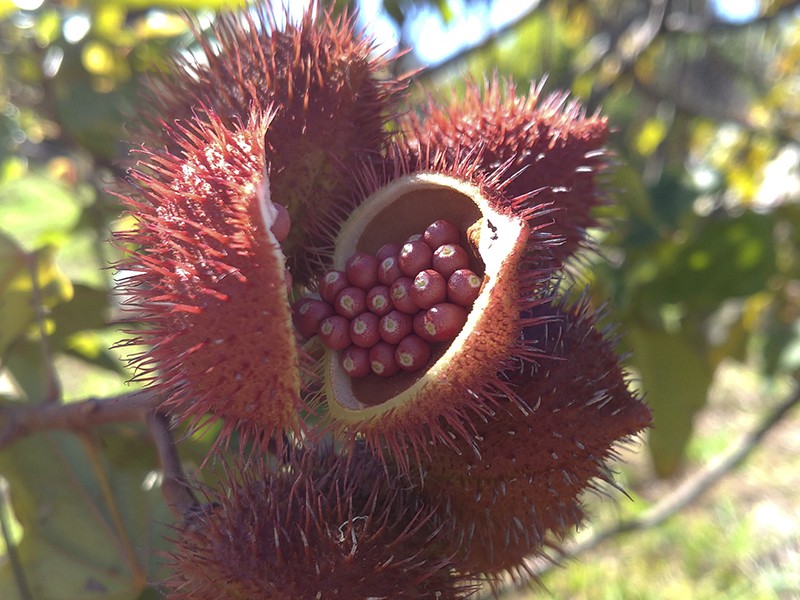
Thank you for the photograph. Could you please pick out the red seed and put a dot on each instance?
(463, 287)
(389, 270)
(364, 330)
(449, 258)
(334, 332)
(412, 353)
(355, 361)
(418, 325)
(351, 302)
(395, 326)
(387, 250)
(414, 257)
(415, 237)
(443, 322)
(308, 313)
(282, 223)
(401, 295)
(362, 270)
(331, 284)
(381, 360)
(379, 300)
(429, 288)
(441, 232)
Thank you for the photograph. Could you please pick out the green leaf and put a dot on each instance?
(17, 294)
(92, 528)
(27, 369)
(675, 377)
(78, 325)
(36, 210)
(724, 258)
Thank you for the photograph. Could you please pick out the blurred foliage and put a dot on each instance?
(702, 262)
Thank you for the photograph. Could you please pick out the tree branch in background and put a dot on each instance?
(684, 23)
(175, 488)
(432, 72)
(26, 419)
(688, 492)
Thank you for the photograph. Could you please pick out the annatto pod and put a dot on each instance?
(331, 101)
(204, 272)
(401, 412)
(321, 526)
(523, 485)
(556, 152)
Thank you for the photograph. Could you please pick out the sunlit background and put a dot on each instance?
(701, 267)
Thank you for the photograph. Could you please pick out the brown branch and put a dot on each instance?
(688, 492)
(175, 487)
(26, 419)
(684, 23)
(432, 72)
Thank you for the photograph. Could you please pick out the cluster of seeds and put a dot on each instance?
(384, 312)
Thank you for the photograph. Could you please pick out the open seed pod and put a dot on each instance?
(321, 526)
(523, 489)
(402, 412)
(330, 93)
(205, 273)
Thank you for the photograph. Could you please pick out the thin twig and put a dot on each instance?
(26, 419)
(688, 492)
(23, 588)
(175, 487)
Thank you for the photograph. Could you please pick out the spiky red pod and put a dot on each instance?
(399, 415)
(333, 527)
(331, 107)
(205, 275)
(531, 465)
(555, 151)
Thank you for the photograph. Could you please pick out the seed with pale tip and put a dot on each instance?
(463, 287)
(364, 330)
(414, 257)
(412, 353)
(401, 295)
(429, 288)
(355, 361)
(331, 284)
(381, 360)
(308, 313)
(334, 332)
(389, 270)
(443, 322)
(448, 258)
(441, 232)
(379, 300)
(395, 326)
(351, 302)
(362, 270)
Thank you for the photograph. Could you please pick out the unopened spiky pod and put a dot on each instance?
(321, 527)
(556, 151)
(205, 274)
(330, 104)
(522, 480)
